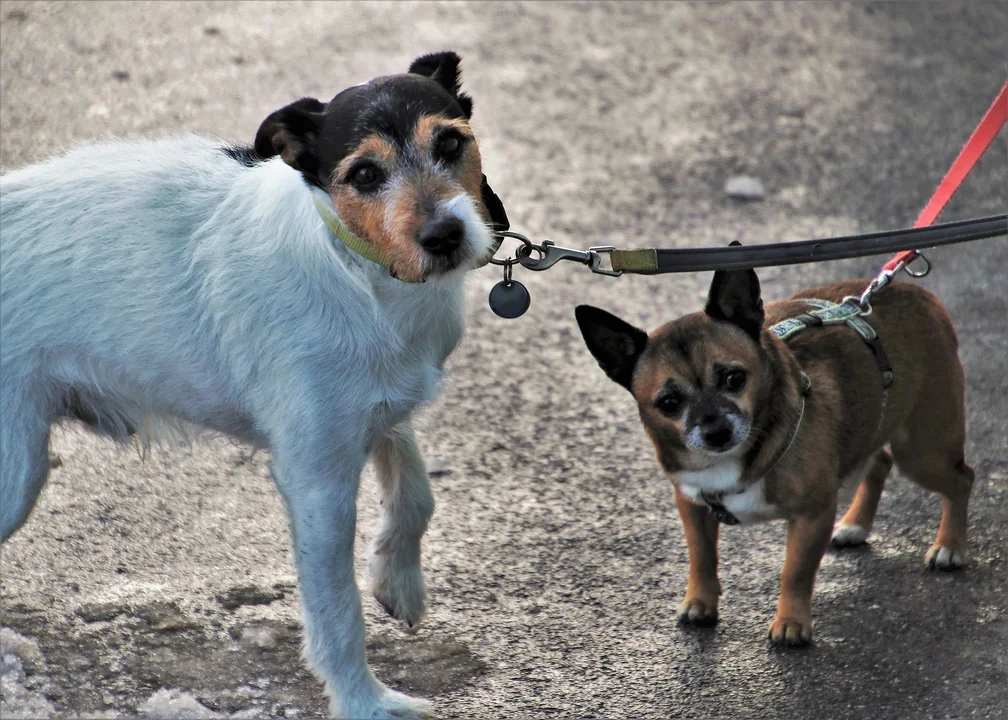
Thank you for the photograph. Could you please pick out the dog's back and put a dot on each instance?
(916, 335)
(93, 243)
(922, 415)
(99, 241)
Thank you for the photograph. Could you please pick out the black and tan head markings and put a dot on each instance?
(397, 157)
(693, 385)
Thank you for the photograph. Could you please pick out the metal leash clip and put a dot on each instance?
(549, 254)
(880, 281)
(509, 298)
(885, 277)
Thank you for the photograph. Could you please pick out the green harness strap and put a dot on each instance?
(828, 314)
(847, 313)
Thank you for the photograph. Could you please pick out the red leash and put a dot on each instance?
(979, 141)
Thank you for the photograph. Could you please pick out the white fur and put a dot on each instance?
(480, 239)
(168, 285)
(747, 503)
(723, 477)
(849, 535)
(943, 558)
(750, 505)
(695, 443)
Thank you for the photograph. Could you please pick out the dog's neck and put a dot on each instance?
(777, 424)
(426, 317)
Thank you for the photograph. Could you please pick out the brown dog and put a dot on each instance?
(751, 427)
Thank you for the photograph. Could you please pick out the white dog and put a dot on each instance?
(301, 295)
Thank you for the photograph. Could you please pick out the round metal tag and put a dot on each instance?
(509, 299)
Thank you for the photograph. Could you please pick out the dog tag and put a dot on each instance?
(509, 299)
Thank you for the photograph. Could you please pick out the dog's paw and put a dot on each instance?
(849, 536)
(790, 632)
(398, 585)
(389, 705)
(940, 557)
(695, 611)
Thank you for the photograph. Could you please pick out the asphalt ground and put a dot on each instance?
(555, 559)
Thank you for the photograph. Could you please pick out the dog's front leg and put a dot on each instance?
(808, 537)
(396, 577)
(321, 494)
(700, 606)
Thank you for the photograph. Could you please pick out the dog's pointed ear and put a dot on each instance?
(735, 297)
(617, 345)
(444, 69)
(292, 133)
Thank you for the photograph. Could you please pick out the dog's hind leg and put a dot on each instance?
(24, 458)
(318, 481)
(396, 577)
(930, 451)
(856, 524)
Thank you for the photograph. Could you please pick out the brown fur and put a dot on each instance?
(840, 435)
(288, 145)
(373, 147)
(392, 219)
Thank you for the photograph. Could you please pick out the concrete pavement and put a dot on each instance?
(555, 560)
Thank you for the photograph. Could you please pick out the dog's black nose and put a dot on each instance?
(442, 236)
(718, 436)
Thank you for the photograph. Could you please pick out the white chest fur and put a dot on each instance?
(721, 484)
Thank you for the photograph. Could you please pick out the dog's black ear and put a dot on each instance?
(494, 206)
(292, 133)
(735, 297)
(444, 68)
(617, 345)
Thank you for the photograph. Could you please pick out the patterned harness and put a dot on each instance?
(849, 313)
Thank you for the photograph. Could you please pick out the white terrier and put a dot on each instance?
(302, 295)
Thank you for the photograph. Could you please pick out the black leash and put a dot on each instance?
(510, 299)
(806, 251)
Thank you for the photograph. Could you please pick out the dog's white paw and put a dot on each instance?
(388, 705)
(940, 557)
(397, 583)
(698, 611)
(849, 536)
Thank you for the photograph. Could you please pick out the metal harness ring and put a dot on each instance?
(528, 246)
(927, 266)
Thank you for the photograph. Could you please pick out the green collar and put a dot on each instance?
(361, 246)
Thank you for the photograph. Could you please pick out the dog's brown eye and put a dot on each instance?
(449, 146)
(365, 177)
(670, 404)
(734, 380)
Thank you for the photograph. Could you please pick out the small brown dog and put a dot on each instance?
(750, 427)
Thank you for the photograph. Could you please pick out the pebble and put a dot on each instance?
(248, 595)
(24, 648)
(744, 187)
(437, 468)
(99, 612)
(176, 705)
(261, 637)
(17, 698)
(164, 617)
